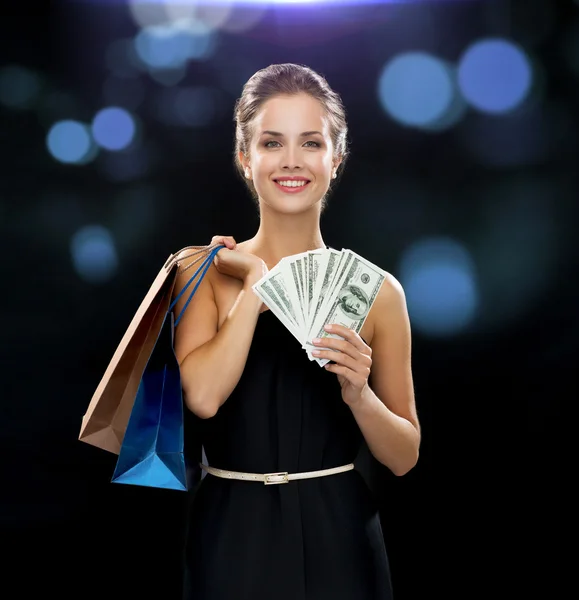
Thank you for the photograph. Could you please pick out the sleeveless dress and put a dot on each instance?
(313, 539)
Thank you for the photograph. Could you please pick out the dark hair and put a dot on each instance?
(289, 80)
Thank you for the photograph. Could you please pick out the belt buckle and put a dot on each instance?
(282, 478)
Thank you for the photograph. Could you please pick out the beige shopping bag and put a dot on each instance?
(106, 418)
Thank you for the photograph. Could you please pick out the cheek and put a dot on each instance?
(321, 164)
(328, 161)
(262, 164)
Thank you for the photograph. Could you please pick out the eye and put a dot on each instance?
(267, 144)
(315, 144)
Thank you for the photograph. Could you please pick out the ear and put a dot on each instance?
(336, 163)
(244, 160)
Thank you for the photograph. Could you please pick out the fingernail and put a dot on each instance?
(328, 327)
(316, 341)
(316, 352)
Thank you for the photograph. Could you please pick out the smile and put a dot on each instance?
(291, 186)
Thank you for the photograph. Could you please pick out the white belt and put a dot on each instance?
(273, 478)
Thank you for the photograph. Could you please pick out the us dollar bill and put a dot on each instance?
(317, 261)
(353, 295)
(306, 291)
(266, 292)
(277, 282)
(323, 281)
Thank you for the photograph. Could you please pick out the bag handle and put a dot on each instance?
(177, 257)
(213, 250)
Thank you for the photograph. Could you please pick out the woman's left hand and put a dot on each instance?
(353, 361)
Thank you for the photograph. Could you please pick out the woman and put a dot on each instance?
(262, 407)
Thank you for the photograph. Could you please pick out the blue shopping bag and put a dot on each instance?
(152, 452)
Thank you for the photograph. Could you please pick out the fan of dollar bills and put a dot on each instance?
(309, 290)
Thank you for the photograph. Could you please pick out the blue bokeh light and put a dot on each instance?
(70, 142)
(494, 75)
(438, 277)
(113, 128)
(416, 89)
(19, 87)
(94, 255)
(171, 46)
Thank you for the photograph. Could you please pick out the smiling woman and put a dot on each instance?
(292, 96)
(294, 161)
(263, 413)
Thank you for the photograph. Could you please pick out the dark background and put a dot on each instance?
(503, 186)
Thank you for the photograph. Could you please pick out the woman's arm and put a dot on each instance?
(212, 361)
(386, 412)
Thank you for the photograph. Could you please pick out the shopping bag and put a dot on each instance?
(152, 451)
(107, 415)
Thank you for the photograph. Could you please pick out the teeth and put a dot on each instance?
(292, 183)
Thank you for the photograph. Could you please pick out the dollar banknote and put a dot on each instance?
(312, 289)
(350, 299)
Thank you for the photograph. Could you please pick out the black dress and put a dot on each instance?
(313, 539)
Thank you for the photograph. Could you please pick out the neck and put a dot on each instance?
(281, 235)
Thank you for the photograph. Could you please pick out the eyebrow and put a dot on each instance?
(278, 134)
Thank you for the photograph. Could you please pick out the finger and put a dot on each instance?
(350, 335)
(337, 344)
(226, 240)
(341, 358)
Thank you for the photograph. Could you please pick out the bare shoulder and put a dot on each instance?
(391, 291)
(389, 305)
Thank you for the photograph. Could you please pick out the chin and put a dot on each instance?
(291, 204)
(292, 208)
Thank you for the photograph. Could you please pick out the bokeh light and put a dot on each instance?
(93, 253)
(168, 46)
(242, 17)
(70, 142)
(416, 89)
(19, 87)
(453, 113)
(164, 51)
(439, 279)
(113, 128)
(494, 75)
(223, 15)
(146, 13)
(212, 14)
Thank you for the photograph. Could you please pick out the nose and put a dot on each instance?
(291, 159)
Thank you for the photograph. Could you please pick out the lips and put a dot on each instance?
(292, 189)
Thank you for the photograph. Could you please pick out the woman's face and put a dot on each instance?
(291, 153)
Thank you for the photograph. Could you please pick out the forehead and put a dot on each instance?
(292, 113)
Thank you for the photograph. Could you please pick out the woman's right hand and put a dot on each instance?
(240, 265)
